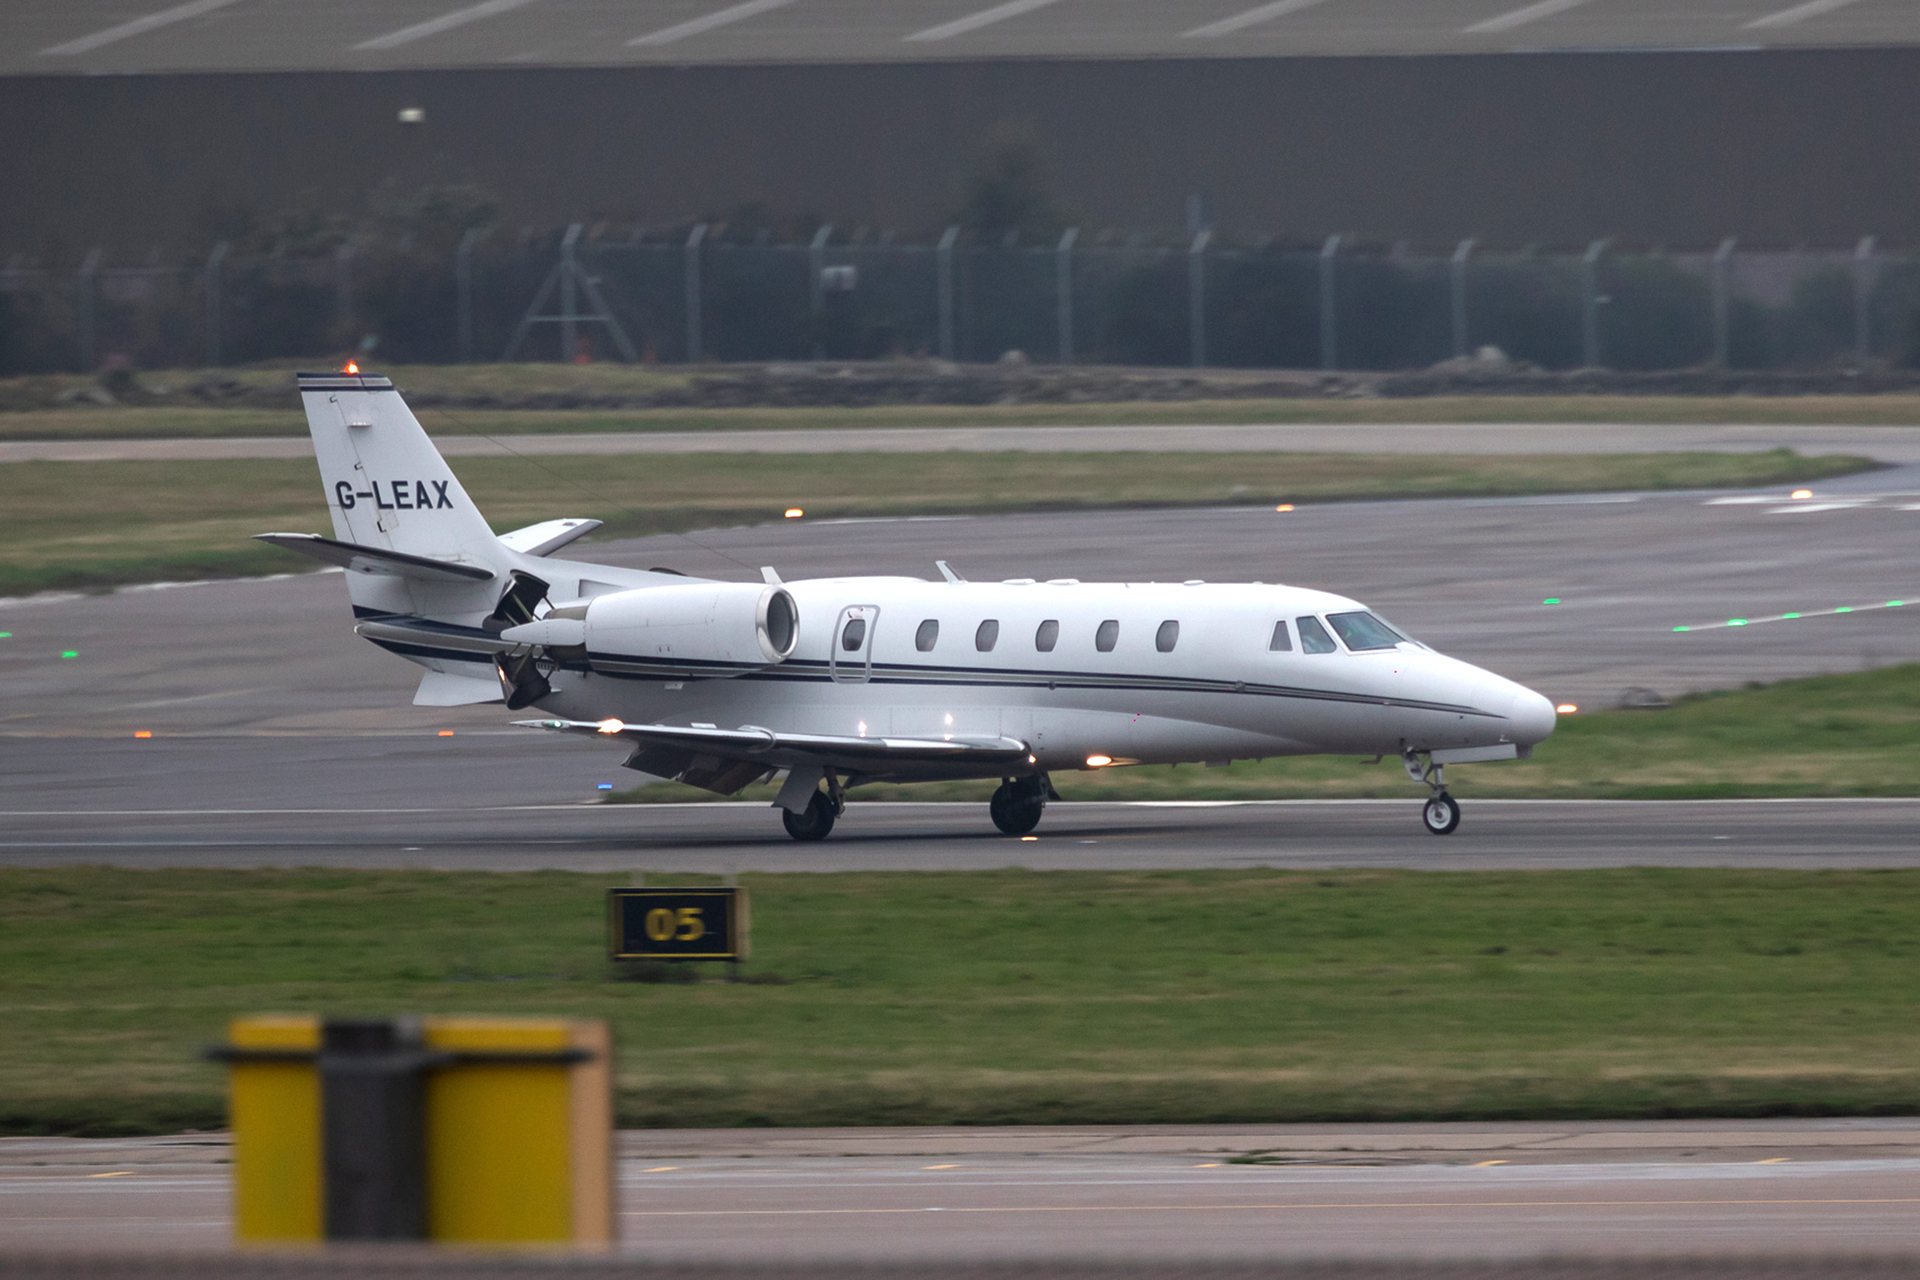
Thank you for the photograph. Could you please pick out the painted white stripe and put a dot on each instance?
(138, 26)
(445, 22)
(718, 18)
(984, 18)
(1227, 26)
(1798, 13)
(1521, 17)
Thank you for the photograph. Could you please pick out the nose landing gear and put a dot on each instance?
(1441, 813)
(1018, 803)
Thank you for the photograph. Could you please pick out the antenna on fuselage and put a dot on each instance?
(770, 575)
(946, 571)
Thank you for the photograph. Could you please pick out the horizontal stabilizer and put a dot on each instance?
(365, 559)
(548, 536)
(445, 689)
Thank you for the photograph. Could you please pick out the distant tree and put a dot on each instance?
(1007, 190)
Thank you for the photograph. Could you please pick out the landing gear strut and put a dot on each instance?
(1018, 803)
(816, 821)
(1441, 813)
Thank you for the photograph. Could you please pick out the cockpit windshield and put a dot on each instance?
(1361, 631)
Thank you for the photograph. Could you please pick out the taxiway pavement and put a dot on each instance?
(1367, 1191)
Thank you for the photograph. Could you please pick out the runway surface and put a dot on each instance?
(1357, 1192)
(1495, 834)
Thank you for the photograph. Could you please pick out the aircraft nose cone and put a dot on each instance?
(1533, 717)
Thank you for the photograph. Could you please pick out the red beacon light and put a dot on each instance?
(353, 366)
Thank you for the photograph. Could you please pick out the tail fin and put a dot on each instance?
(388, 489)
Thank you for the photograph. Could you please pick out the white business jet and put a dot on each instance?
(834, 682)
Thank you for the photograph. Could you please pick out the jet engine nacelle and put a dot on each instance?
(706, 624)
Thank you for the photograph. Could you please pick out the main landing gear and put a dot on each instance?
(1441, 813)
(1018, 803)
(816, 821)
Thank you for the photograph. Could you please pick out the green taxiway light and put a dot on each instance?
(1845, 608)
(1736, 622)
(1551, 600)
(1785, 616)
(1891, 604)
(6, 635)
(1683, 628)
(69, 653)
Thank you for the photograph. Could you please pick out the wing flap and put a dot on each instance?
(706, 756)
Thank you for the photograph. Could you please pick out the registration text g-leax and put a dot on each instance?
(396, 495)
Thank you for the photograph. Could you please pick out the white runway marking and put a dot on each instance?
(1252, 17)
(1798, 13)
(445, 22)
(718, 18)
(1521, 17)
(135, 27)
(975, 21)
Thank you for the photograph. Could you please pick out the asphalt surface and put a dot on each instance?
(258, 697)
(102, 36)
(1890, 444)
(1357, 1192)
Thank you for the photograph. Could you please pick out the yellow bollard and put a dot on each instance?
(493, 1131)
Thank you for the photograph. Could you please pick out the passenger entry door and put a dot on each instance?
(851, 656)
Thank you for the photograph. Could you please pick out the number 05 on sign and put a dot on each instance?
(677, 924)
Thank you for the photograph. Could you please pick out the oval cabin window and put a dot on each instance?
(855, 635)
(1107, 636)
(1167, 636)
(987, 636)
(928, 634)
(1047, 636)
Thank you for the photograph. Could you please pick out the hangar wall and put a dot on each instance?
(1777, 148)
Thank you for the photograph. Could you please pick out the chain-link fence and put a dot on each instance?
(1087, 300)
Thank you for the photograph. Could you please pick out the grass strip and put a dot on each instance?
(98, 524)
(92, 422)
(1016, 997)
(1848, 735)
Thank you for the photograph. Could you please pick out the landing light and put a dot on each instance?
(1099, 761)
(794, 513)
(1801, 495)
(611, 726)
(1567, 708)
(1285, 506)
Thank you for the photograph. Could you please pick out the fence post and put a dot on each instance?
(86, 286)
(816, 288)
(1197, 298)
(1590, 304)
(343, 288)
(215, 262)
(1063, 288)
(943, 289)
(1723, 303)
(1863, 272)
(463, 294)
(569, 291)
(1458, 283)
(696, 320)
(1329, 306)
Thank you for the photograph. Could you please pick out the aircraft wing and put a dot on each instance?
(725, 760)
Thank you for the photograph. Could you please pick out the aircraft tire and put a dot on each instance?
(815, 823)
(1015, 815)
(1441, 814)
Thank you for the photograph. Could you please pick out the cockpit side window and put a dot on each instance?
(1313, 636)
(1281, 642)
(1361, 631)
